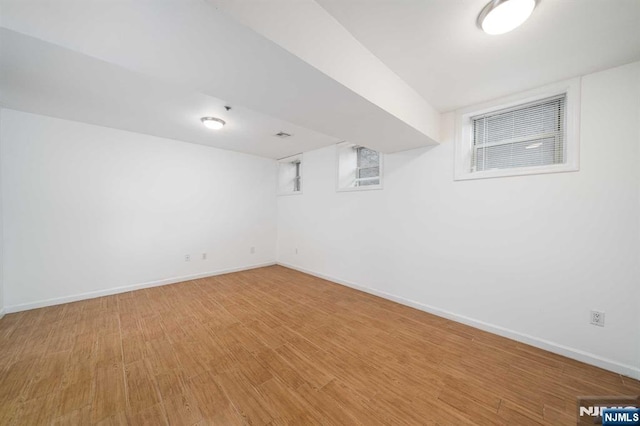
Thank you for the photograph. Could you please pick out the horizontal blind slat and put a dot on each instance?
(528, 135)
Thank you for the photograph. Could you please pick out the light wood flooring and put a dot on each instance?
(275, 346)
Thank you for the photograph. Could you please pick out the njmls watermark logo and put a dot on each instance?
(609, 410)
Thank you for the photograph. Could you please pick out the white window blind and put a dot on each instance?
(367, 167)
(358, 167)
(527, 135)
(297, 177)
(290, 175)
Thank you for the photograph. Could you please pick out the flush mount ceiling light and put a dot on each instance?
(213, 123)
(502, 16)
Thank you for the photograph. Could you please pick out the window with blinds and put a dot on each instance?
(359, 167)
(290, 175)
(368, 167)
(297, 177)
(527, 135)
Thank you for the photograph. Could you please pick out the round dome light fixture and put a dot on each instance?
(213, 123)
(502, 16)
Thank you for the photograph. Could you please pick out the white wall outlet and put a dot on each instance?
(187, 258)
(204, 256)
(296, 250)
(597, 318)
(252, 250)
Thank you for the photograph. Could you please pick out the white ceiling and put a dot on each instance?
(305, 29)
(435, 46)
(367, 71)
(191, 45)
(47, 79)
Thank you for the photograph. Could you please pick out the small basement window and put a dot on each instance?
(527, 137)
(359, 168)
(290, 175)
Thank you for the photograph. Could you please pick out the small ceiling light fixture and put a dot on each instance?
(213, 123)
(502, 16)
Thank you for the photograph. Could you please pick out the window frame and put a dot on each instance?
(348, 145)
(297, 179)
(464, 146)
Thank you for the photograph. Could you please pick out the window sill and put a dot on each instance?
(522, 171)
(360, 188)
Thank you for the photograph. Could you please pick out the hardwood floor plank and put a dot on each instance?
(280, 368)
(109, 396)
(355, 404)
(81, 416)
(142, 390)
(171, 383)
(37, 411)
(74, 397)
(311, 370)
(244, 397)
(109, 351)
(9, 411)
(214, 405)
(517, 415)
(161, 356)
(329, 411)
(283, 402)
(151, 416)
(15, 379)
(182, 409)
(117, 419)
(46, 377)
(133, 347)
(273, 346)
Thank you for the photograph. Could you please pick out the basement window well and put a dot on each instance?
(359, 168)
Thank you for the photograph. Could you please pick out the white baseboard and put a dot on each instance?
(124, 289)
(577, 354)
(1, 313)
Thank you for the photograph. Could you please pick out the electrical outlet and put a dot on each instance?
(597, 318)
(187, 258)
(252, 250)
(204, 256)
(296, 250)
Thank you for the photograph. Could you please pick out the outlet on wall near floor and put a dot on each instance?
(187, 258)
(204, 256)
(295, 250)
(597, 318)
(252, 250)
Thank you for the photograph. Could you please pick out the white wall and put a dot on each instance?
(88, 209)
(527, 257)
(1, 236)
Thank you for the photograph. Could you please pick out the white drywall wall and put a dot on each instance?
(88, 210)
(527, 257)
